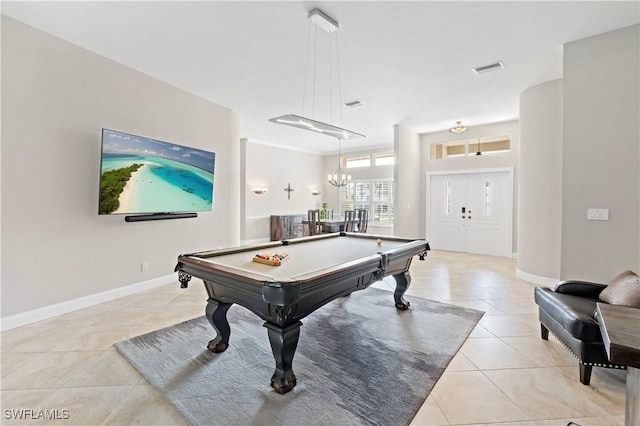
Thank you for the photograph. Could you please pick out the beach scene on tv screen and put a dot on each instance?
(142, 175)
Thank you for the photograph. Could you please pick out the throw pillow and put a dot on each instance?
(623, 290)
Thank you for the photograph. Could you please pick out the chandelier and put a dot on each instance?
(330, 25)
(339, 178)
(458, 128)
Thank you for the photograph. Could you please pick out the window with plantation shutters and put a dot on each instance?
(374, 195)
(362, 195)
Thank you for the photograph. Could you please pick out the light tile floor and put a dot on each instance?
(504, 373)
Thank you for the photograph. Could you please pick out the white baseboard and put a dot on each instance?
(536, 279)
(46, 312)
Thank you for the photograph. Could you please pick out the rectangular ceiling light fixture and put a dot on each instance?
(488, 68)
(315, 126)
(330, 25)
(354, 104)
(323, 20)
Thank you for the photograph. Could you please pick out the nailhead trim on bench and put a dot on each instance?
(593, 364)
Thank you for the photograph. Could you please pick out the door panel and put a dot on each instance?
(448, 195)
(489, 218)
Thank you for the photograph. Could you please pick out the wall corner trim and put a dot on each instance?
(46, 312)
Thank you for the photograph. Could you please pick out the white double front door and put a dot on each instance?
(471, 212)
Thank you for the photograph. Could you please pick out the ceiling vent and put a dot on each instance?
(354, 104)
(488, 68)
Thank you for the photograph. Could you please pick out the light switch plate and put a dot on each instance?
(597, 214)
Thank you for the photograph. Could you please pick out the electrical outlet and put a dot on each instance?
(144, 266)
(597, 214)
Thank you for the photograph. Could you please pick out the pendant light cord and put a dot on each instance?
(330, 79)
(315, 66)
(313, 70)
(339, 85)
(306, 70)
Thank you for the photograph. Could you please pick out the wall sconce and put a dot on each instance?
(259, 191)
(315, 192)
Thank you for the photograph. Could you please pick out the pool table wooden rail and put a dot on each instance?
(261, 294)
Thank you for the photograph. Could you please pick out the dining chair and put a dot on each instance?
(363, 220)
(349, 220)
(313, 220)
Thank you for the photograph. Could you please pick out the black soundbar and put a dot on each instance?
(159, 216)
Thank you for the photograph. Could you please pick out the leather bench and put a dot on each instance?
(569, 312)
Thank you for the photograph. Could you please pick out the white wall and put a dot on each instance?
(409, 196)
(56, 98)
(601, 141)
(274, 168)
(540, 182)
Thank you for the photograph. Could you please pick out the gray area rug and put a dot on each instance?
(359, 361)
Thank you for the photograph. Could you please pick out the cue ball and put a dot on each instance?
(379, 241)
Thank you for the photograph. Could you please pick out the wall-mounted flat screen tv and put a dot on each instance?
(144, 176)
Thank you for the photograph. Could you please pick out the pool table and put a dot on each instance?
(318, 270)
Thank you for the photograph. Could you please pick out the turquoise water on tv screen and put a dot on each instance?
(184, 179)
(161, 185)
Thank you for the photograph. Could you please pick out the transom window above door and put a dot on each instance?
(488, 145)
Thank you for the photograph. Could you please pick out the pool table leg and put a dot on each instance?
(284, 342)
(216, 313)
(402, 284)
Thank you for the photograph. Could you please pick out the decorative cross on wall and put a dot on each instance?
(289, 189)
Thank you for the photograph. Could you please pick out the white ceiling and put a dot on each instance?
(409, 62)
